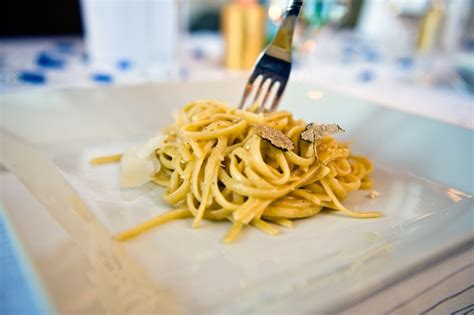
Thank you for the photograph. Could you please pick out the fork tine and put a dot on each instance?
(267, 95)
(259, 90)
(248, 89)
(280, 91)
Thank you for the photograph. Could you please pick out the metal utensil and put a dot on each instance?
(274, 64)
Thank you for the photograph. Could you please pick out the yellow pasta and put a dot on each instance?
(105, 159)
(215, 167)
(172, 215)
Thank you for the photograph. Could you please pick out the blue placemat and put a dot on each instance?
(20, 293)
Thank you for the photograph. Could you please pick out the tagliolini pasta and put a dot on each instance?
(222, 163)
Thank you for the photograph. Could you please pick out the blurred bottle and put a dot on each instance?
(428, 36)
(393, 24)
(320, 13)
(143, 33)
(243, 28)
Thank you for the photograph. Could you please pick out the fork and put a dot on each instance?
(274, 63)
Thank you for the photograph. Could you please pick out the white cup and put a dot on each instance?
(142, 32)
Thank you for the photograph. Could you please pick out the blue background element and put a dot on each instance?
(124, 64)
(102, 78)
(65, 47)
(405, 63)
(19, 291)
(47, 60)
(32, 77)
(366, 76)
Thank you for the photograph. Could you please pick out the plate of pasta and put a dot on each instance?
(168, 199)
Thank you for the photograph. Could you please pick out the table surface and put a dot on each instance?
(347, 65)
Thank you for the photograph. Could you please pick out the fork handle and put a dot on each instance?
(294, 7)
(284, 37)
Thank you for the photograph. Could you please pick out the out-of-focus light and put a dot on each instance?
(338, 12)
(309, 45)
(274, 12)
(315, 95)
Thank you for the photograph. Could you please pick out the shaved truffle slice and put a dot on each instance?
(277, 138)
(314, 132)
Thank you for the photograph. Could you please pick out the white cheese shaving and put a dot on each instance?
(139, 164)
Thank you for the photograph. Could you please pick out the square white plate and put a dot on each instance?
(423, 170)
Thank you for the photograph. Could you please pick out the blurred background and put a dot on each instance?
(394, 51)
